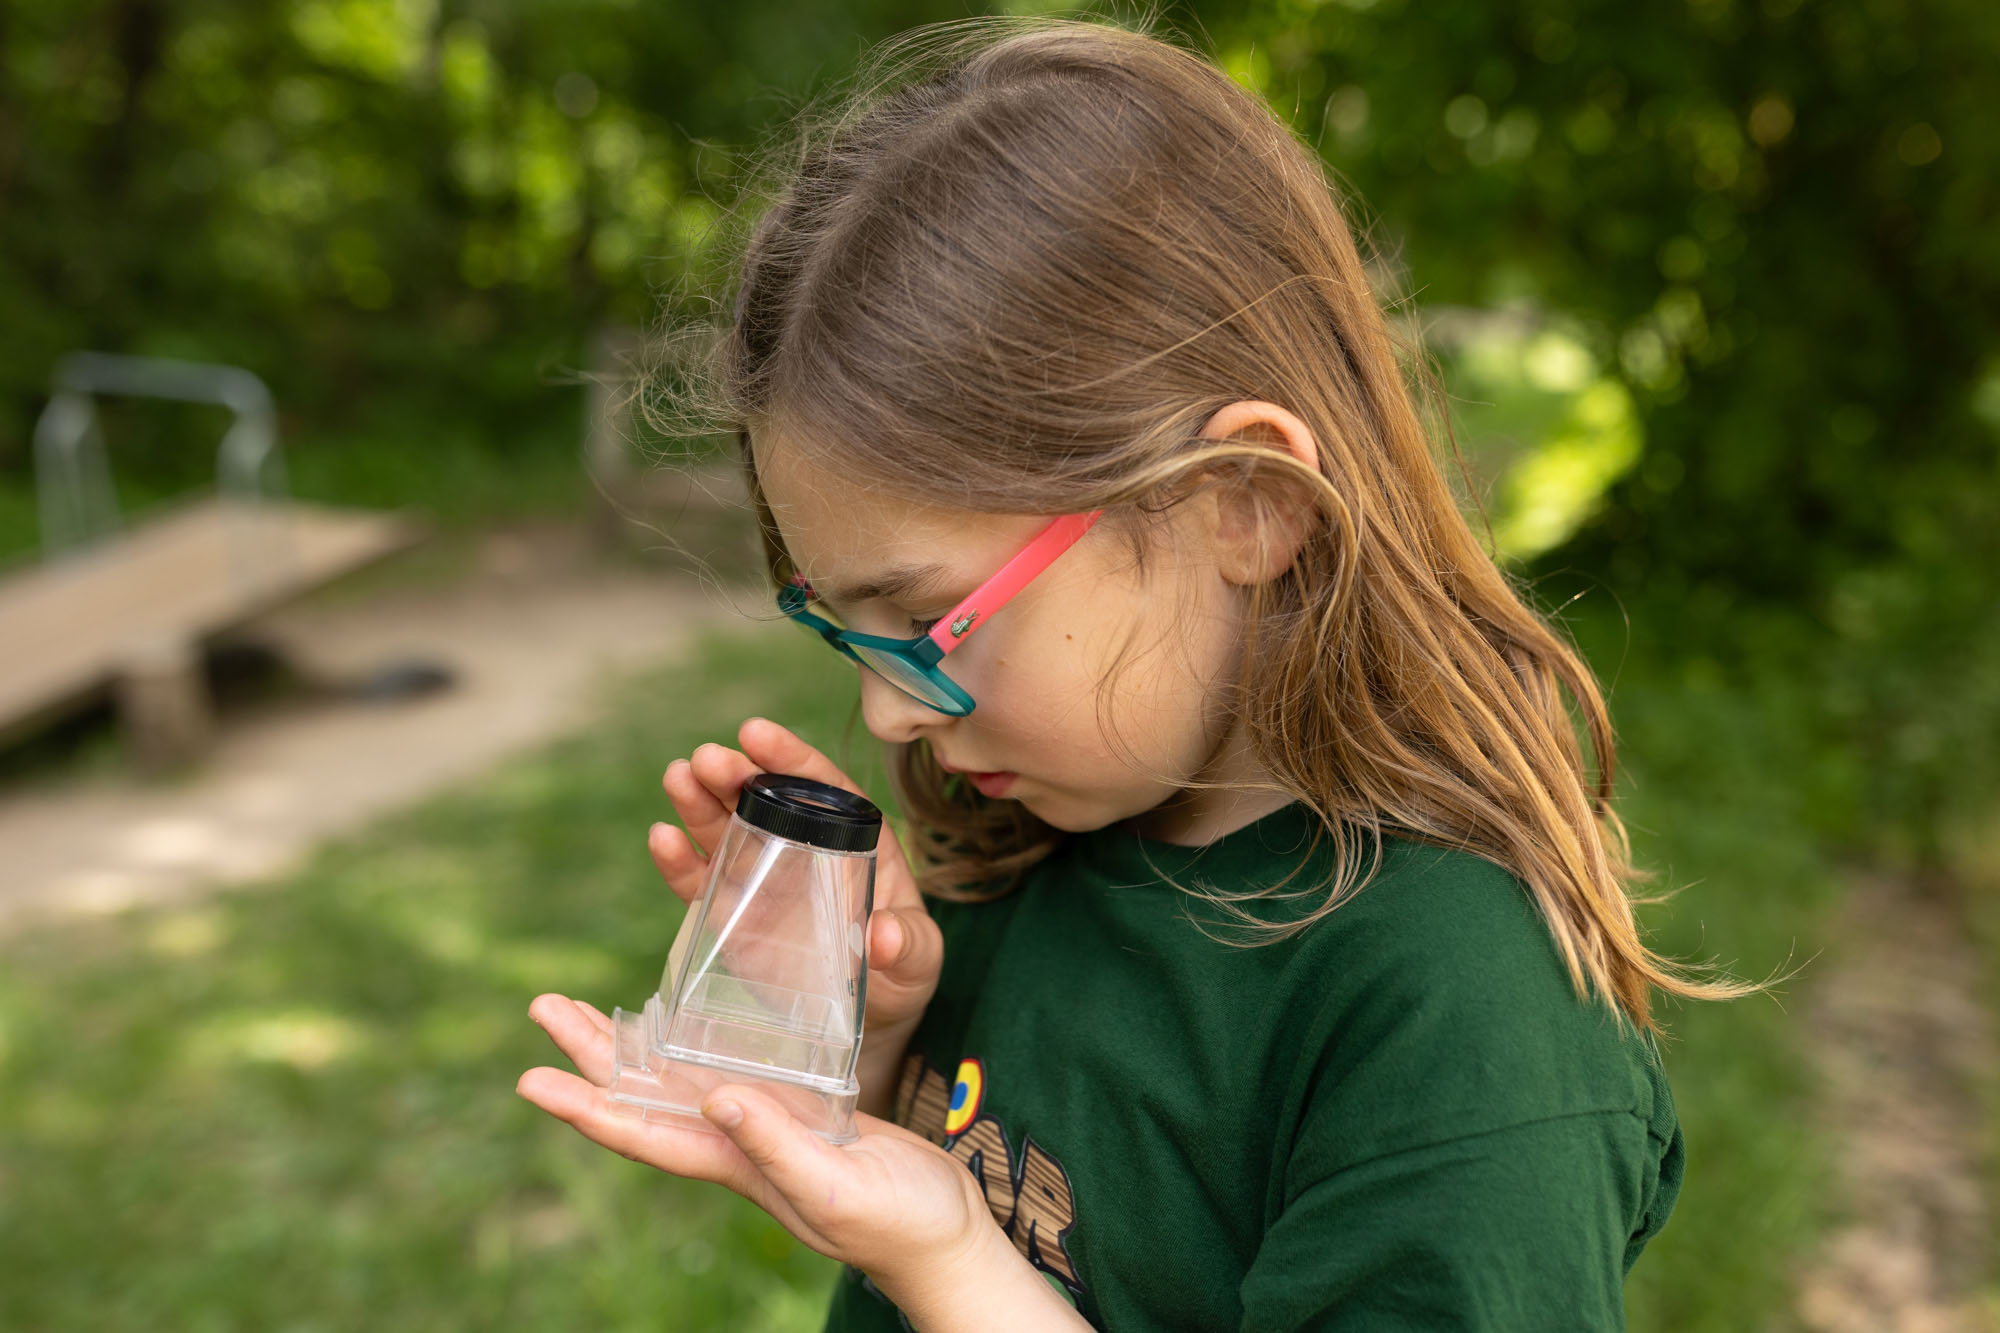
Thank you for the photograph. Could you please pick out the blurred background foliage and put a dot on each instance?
(1714, 287)
(1754, 238)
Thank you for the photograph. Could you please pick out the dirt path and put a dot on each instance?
(1903, 1046)
(531, 622)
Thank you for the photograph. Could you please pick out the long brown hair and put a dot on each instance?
(1015, 273)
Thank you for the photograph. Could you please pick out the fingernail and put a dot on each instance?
(726, 1114)
(658, 824)
(894, 935)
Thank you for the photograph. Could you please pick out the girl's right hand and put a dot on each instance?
(905, 949)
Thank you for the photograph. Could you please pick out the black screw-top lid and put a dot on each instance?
(810, 812)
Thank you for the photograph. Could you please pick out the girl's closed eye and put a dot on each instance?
(887, 620)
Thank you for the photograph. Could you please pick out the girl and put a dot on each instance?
(1261, 958)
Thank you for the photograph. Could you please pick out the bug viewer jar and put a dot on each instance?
(768, 976)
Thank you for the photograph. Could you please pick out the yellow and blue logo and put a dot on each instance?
(966, 1094)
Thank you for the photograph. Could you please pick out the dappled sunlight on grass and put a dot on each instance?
(294, 1105)
(305, 1039)
(186, 933)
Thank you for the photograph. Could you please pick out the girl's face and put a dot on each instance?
(1098, 688)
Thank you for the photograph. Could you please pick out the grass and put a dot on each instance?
(292, 1108)
(1711, 810)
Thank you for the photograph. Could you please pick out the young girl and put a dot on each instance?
(1261, 958)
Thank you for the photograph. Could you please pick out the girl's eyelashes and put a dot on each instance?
(919, 626)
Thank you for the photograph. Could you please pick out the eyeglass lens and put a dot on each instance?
(905, 674)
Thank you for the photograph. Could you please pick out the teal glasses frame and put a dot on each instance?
(914, 665)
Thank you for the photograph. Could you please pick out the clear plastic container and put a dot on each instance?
(767, 980)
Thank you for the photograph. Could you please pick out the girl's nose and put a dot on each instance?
(891, 715)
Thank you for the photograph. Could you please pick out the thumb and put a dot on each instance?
(905, 946)
(796, 1163)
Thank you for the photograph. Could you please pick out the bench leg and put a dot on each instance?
(163, 702)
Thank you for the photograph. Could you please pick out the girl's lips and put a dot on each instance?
(992, 785)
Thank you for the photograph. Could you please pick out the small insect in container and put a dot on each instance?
(768, 977)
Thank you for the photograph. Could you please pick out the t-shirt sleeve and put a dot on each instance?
(1464, 1142)
(1520, 1228)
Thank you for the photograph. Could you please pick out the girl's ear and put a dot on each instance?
(1259, 516)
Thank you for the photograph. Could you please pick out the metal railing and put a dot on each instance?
(77, 502)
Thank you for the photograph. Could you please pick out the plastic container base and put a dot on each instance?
(650, 1082)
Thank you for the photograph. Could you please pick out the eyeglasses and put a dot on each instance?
(912, 665)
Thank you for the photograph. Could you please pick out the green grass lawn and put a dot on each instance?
(1716, 808)
(292, 1107)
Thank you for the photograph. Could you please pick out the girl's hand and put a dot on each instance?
(905, 949)
(891, 1204)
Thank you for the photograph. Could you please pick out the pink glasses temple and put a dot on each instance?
(1013, 576)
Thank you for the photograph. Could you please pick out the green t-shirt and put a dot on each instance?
(1401, 1118)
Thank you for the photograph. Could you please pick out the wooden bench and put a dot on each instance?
(131, 613)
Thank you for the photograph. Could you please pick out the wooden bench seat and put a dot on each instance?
(131, 613)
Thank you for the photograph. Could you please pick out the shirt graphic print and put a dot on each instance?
(1027, 1189)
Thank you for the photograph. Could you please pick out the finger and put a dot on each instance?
(705, 812)
(806, 1170)
(579, 1031)
(677, 859)
(778, 750)
(683, 1149)
(722, 772)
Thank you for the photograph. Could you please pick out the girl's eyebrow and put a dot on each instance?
(896, 584)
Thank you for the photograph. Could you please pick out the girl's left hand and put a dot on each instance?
(891, 1204)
